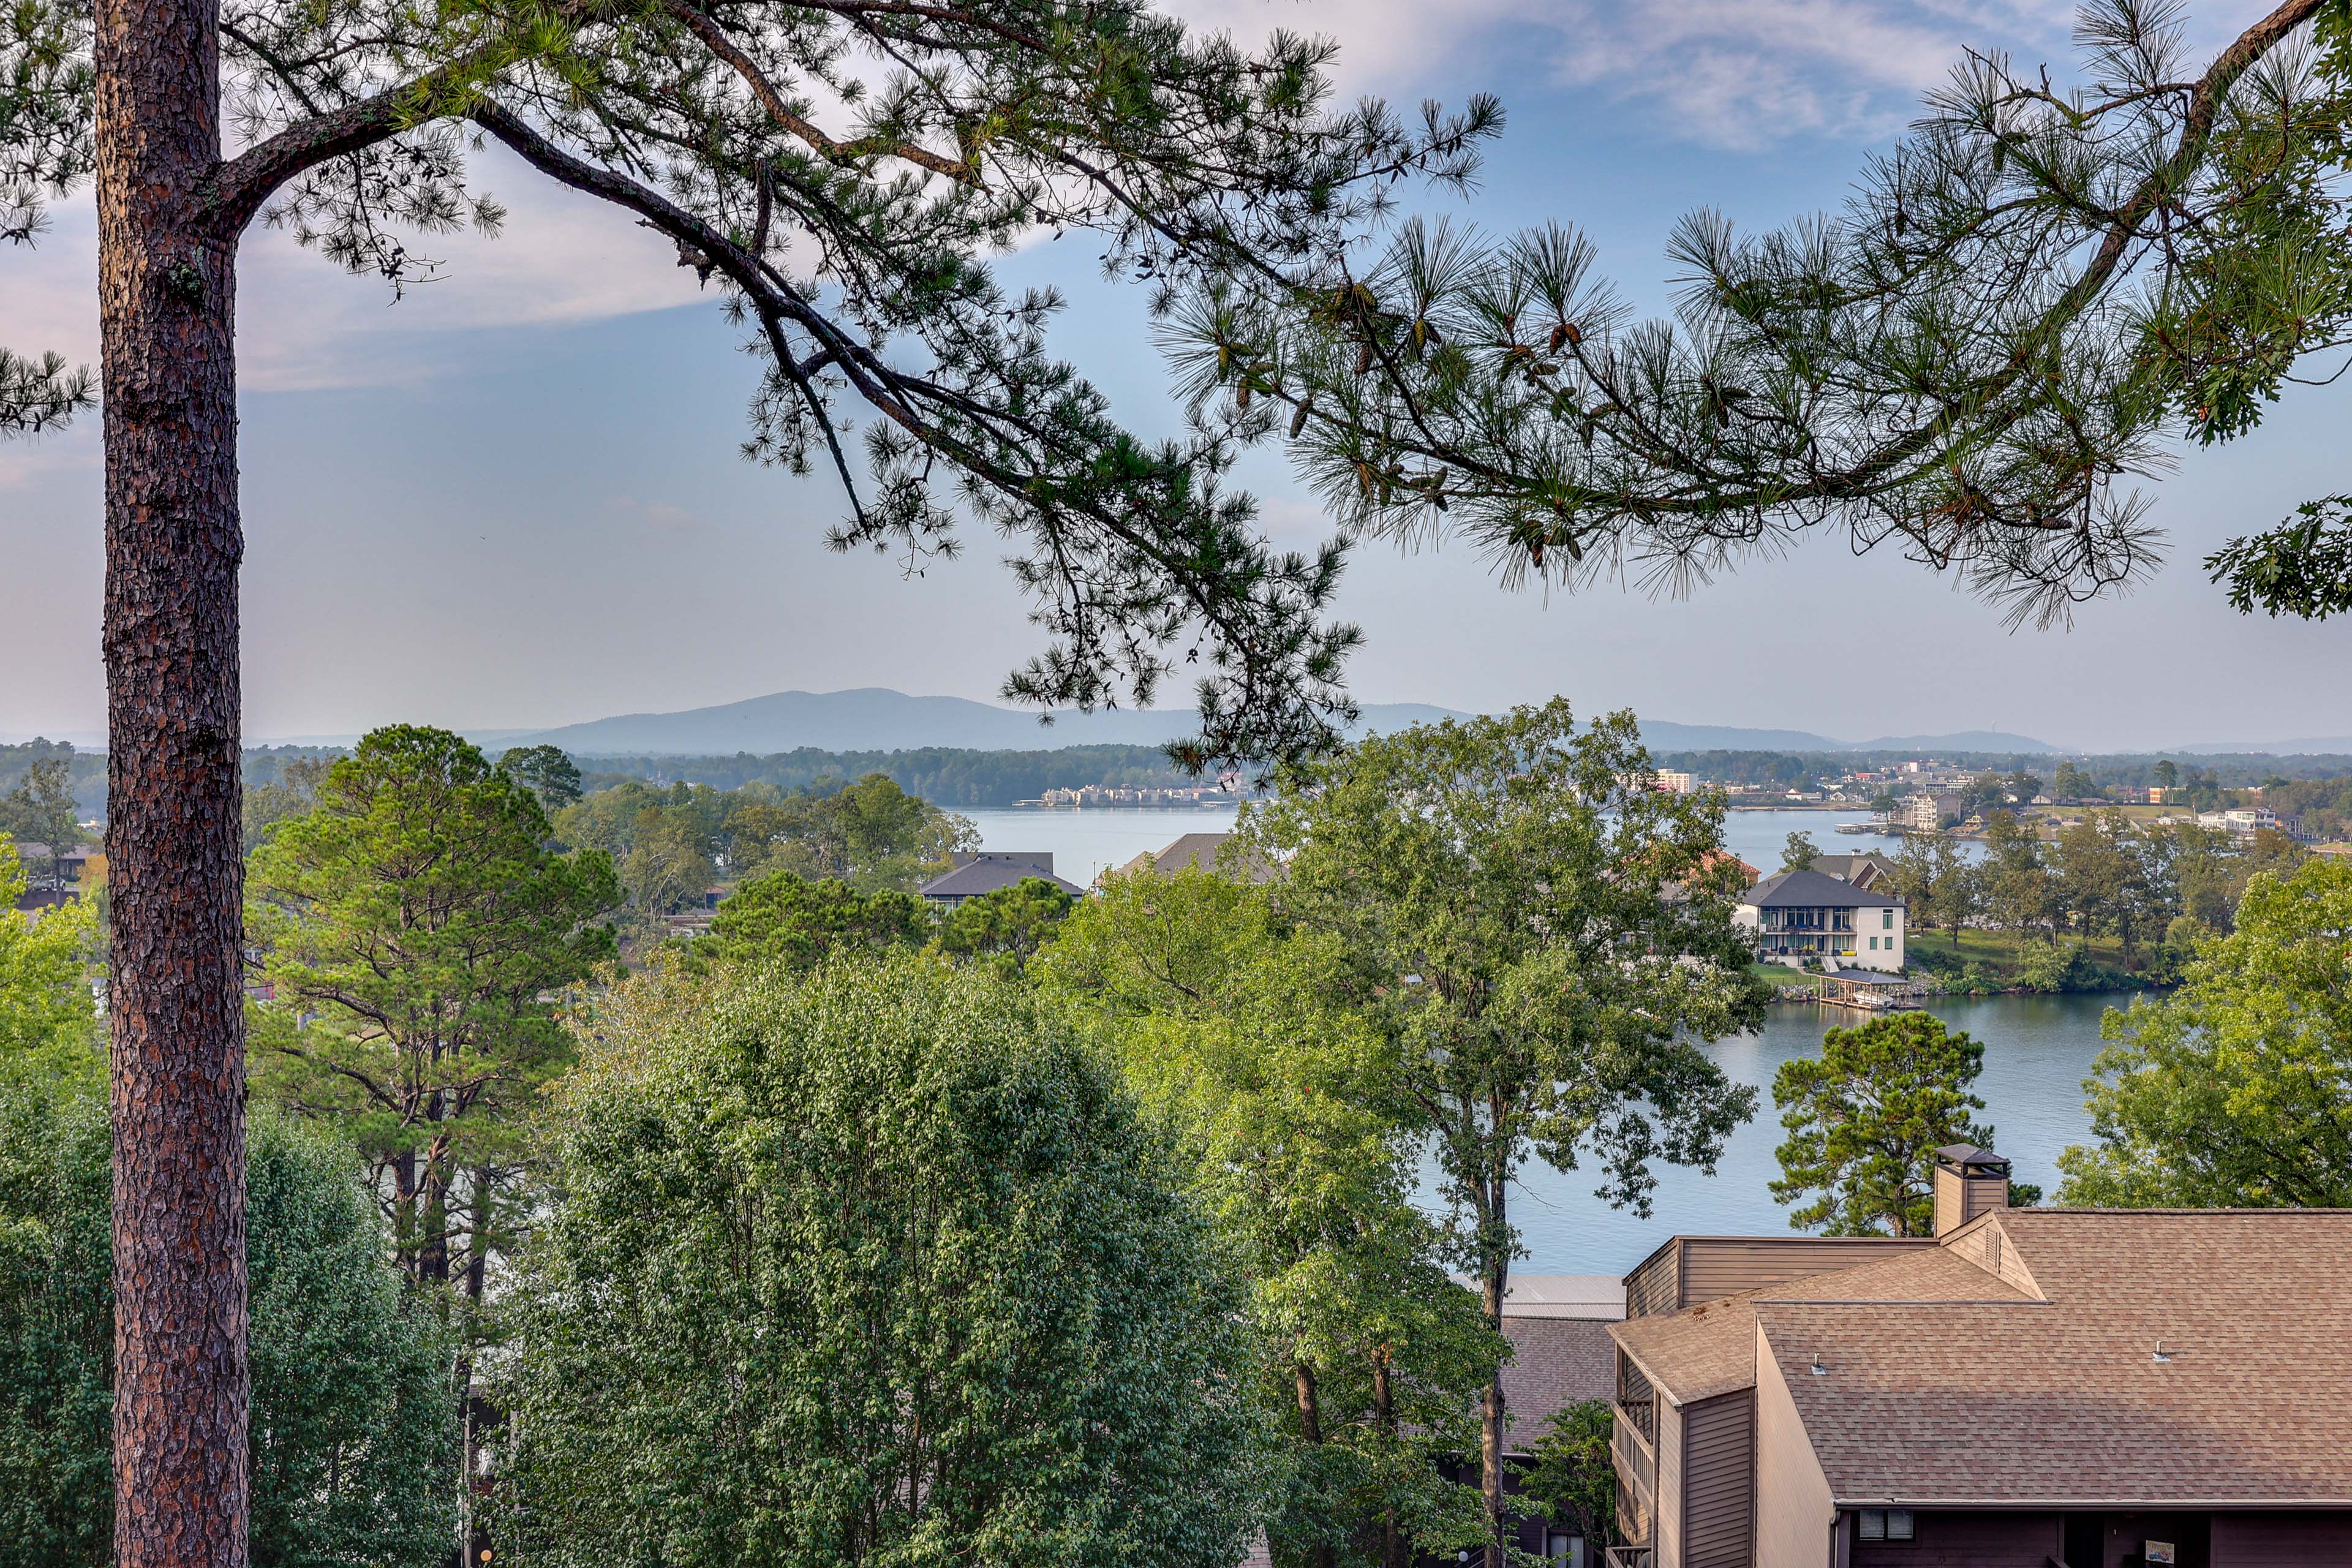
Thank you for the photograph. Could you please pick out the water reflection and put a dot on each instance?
(2037, 1051)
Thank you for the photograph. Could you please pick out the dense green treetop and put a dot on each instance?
(414, 925)
(41, 810)
(876, 1268)
(550, 771)
(785, 920)
(48, 1020)
(2235, 1090)
(353, 1461)
(1289, 1108)
(871, 833)
(1009, 925)
(1574, 1477)
(1864, 1119)
(1543, 939)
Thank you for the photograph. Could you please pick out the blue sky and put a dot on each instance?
(514, 499)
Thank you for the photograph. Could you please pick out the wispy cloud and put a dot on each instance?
(1730, 73)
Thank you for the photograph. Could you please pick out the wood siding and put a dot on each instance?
(2281, 1540)
(1967, 1540)
(1718, 1471)
(1668, 1534)
(1656, 1286)
(1714, 1268)
(1693, 1268)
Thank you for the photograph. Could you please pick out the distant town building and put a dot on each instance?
(1664, 781)
(1925, 812)
(989, 870)
(1176, 797)
(1802, 915)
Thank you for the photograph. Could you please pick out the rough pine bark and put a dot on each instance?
(167, 283)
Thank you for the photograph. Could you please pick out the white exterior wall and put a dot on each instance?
(1885, 926)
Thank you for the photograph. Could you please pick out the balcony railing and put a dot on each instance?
(1634, 1450)
(1629, 1556)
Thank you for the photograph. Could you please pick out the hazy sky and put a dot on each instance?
(514, 499)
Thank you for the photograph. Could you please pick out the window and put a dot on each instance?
(1565, 1551)
(1873, 944)
(1885, 1525)
(1887, 919)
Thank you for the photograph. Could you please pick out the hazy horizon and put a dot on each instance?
(513, 501)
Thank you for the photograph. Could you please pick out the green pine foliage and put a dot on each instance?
(876, 1266)
(784, 920)
(355, 1434)
(415, 927)
(1009, 926)
(1863, 1119)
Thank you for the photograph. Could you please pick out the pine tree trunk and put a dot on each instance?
(167, 286)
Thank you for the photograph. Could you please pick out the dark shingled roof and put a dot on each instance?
(1813, 890)
(990, 870)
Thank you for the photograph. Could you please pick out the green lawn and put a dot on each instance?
(2002, 954)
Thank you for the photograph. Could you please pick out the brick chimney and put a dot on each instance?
(1969, 1181)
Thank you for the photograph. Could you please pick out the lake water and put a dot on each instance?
(2037, 1051)
(1084, 841)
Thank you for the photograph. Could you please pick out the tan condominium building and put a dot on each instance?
(2042, 1388)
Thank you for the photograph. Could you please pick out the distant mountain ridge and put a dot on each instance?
(877, 719)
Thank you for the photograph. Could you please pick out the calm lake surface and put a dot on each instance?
(2037, 1051)
(1084, 841)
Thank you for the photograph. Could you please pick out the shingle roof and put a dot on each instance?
(1555, 1362)
(1710, 1349)
(1813, 890)
(2052, 1395)
(990, 870)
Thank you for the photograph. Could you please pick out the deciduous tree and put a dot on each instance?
(878, 1267)
(2236, 1090)
(1544, 941)
(1288, 1106)
(353, 1447)
(48, 1023)
(1574, 1477)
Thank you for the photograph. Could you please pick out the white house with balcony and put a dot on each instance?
(1802, 915)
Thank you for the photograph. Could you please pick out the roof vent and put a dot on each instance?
(2159, 1354)
(1969, 1181)
(1816, 1369)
